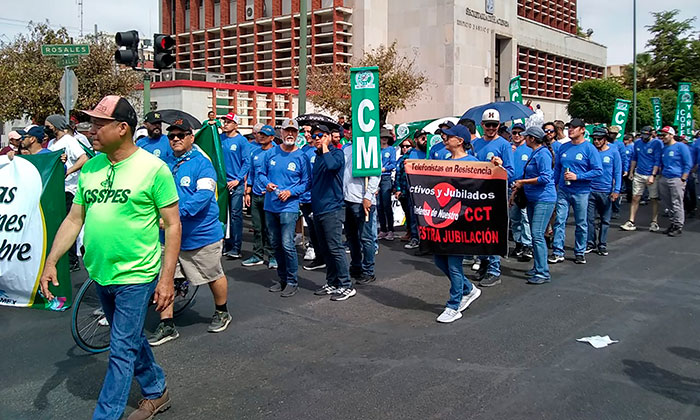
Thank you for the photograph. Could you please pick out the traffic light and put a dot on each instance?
(130, 55)
(163, 49)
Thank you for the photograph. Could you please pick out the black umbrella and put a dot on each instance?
(318, 119)
(169, 116)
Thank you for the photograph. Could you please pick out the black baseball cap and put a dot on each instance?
(182, 124)
(153, 117)
(577, 122)
(114, 107)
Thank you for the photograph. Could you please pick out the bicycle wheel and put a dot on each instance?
(184, 296)
(89, 325)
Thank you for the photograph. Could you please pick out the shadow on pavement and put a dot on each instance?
(394, 299)
(82, 373)
(686, 353)
(647, 375)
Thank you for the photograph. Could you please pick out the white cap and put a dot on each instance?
(491, 115)
(290, 123)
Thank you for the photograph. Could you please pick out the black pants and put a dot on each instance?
(690, 200)
(73, 250)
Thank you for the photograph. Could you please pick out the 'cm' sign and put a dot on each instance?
(365, 122)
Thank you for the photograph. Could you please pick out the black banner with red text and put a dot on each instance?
(461, 206)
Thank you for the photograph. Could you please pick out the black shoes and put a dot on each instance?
(580, 259)
(490, 280)
(365, 279)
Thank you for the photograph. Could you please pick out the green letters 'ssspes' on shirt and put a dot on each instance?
(121, 216)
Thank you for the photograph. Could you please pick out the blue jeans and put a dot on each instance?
(307, 212)
(235, 231)
(599, 203)
(130, 354)
(451, 265)
(281, 227)
(385, 212)
(539, 214)
(520, 224)
(579, 202)
(494, 264)
(329, 228)
(361, 238)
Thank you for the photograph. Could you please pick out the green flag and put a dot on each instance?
(656, 106)
(207, 139)
(407, 130)
(364, 82)
(32, 207)
(683, 89)
(685, 115)
(622, 109)
(514, 91)
(433, 139)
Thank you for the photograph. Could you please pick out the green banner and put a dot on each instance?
(207, 139)
(683, 89)
(433, 139)
(514, 91)
(407, 130)
(364, 82)
(685, 115)
(622, 110)
(656, 107)
(32, 207)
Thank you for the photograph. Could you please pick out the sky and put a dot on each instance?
(611, 20)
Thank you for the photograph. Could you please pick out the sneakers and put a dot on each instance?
(381, 235)
(289, 290)
(252, 261)
(149, 408)
(412, 244)
(272, 264)
(468, 299)
(654, 227)
(232, 255)
(310, 254)
(538, 280)
(628, 226)
(517, 251)
(676, 231)
(163, 334)
(580, 259)
(406, 237)
(526, 254)
(276, 287)
(343, 293)
(389, 236)
(314, 265)
(603, 251)
(490, 280)
(589, 248)
(449, 315)
(326, 289)
(555, 259)
(477, 265)
(219, 321)
(365, 279)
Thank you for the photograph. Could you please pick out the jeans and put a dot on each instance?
(411, 222)
(261, 236)
(281, 227)
(494, 264)
(385, 212)
(329, 228)
(130, 354)
(451, 265)
(579, 202)
(73, 250)
(235, 202)
(361, 238)
(307, 212)
(539, 213)
(520, 224)
(599, 203)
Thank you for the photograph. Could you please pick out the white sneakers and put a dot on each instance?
(310, 254)
(451, 315)
(468, 299)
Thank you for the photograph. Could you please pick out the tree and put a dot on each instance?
(400, 83)
(673, 51)
(29, 82)
(594, 100)
(646, 68)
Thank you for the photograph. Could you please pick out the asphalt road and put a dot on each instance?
(381, 355)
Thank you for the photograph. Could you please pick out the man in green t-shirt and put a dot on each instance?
(212, 120)
(121, 194)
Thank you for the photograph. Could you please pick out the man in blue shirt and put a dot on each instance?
(329, 215)
(156, 142)
(604, 191)
(199, 261)
(676, 163)
(285, 173)
(317, 260)
(438, 151)
(236, 150)
(386, 214)
(616, 143)
(644, 167)
(255, 198)
(576, 164)
(520, 225)
(628, 142)
(497, 150)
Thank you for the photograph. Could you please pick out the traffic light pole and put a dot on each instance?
(302, 56)
(146, 92)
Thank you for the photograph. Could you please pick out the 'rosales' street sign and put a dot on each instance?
(65, 49)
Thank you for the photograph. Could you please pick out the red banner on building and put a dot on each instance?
(461, 206)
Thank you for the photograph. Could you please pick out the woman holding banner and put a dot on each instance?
(462, 292)
(538, 185)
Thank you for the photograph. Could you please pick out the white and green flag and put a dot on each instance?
(364, 83)
(683, 92)
(685, 115)
(622, 110)
(656, 107)
(32, 207)
(515, 91)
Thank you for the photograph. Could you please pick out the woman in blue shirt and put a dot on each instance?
(541, 194)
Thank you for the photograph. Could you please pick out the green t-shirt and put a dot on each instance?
(121, 219)
(217, 123)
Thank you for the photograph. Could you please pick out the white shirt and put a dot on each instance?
(73, 152)
(84, 140)
(354, 188)
(564, 140)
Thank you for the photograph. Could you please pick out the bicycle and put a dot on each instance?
(89, 325)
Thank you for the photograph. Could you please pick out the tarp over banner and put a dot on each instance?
(461, 206)
(32, 207)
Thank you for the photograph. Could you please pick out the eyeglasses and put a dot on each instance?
(517, 133)
(317, 135)
(598, 138)
(490, 124)
(549, 130)
(181, 136)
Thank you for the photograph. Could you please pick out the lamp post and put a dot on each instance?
(634, 67)
(302, 56)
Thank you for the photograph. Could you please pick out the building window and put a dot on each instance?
(286, 7)
(217, 13)
(267, 8)
(558, 14)
(187, 15)
(173, 10)
(201, 14)
(326, 3)
(233, 11)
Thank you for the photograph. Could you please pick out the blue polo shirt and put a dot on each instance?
(439, 151)
(388, 160)
(500, 147)
(416, 154)
(583, 160)
(236, 152)
(627, 157)
(647, 155)
(159, 147)
(289, 171)
(675, 160)
(612, 172)
(520, 156)
(257, 157)
(327, 181)
(540, 167)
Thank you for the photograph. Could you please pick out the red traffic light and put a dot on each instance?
(163, 49)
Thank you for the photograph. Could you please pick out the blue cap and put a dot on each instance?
(535, 132)
(599, 132)
(267, 130)
(459, 131)
(36, 131)
(519, 126)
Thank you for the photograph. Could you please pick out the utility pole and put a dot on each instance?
(634, 67)
(80, 5)
(302, 56)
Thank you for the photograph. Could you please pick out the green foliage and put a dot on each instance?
(673, 50)
(594, 99)
(645, 112)
(29, 82)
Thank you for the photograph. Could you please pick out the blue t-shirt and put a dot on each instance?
(627, 157)
(388, 160)
(289, 171)
(500, 147)
(257, 156)
(159, 147)
(310, 153)
(647, 155)
(439, 151)
(236, 151)
(327, 181)
(620, 151)
(582, 159)
(540, 167)
(675, 160)
(612, 172)
(195, 180)
(520, 156)
(416, 154)
(43, 150)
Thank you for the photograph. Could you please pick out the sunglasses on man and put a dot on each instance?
(317, 135)
(181, 136)
(491, 124)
